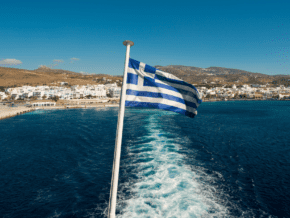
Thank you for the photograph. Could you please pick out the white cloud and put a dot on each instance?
(10, 62)
(43, 67)
(75, 59)
(55, 63)
(58, 61)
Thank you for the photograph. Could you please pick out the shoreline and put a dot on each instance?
(218, 100)
(7, 112)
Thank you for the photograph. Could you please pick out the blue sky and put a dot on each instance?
(87, 36)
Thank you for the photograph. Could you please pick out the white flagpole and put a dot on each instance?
(117, 154)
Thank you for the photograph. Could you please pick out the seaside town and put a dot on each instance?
(61, 92)
(106, 93)
(111, 91)
(243, 92)
(18, 100)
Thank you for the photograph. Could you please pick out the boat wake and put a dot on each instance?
(159, 182)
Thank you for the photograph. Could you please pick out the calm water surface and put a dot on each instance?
(232, 160)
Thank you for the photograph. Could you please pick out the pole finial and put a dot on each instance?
(126, 42)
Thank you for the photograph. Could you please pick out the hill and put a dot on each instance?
(11, 77)
(222, 76)
(212, 76)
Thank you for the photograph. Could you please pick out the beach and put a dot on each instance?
(7, 112)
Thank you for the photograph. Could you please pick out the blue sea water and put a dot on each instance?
(231, 160)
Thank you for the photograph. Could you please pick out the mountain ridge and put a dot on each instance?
(222, 75)
(212, 76)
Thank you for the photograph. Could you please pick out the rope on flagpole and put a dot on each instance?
(118, 142)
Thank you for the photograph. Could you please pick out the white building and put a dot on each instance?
(2, 95)
(115, 92)
(111, 85)
(38, 94)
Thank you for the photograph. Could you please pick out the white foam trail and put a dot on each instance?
(165, 186)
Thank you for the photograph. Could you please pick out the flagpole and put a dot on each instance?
(118, 142)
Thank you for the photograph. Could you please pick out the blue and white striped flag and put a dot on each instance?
(153, 88)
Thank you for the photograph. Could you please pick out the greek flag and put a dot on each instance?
(153, 88)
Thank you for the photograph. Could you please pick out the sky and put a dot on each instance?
(87, 36)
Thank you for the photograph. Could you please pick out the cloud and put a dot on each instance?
(43, 67)
(75, 59)
(10, 62)
(57, 61)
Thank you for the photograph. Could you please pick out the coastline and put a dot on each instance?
(7, 112)
(216, 100)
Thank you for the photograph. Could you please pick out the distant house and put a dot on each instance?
(15, 96)
(2, 95)
(111, 85)
(63, 83)
(284, 96)
(258, 96)
(115, 92)
(25, 95)
(38, 94)
(256, 85)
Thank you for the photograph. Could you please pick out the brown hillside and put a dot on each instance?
(222, 76)
(10, 77)
(213, 76)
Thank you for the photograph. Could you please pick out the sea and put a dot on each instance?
(231, 160)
